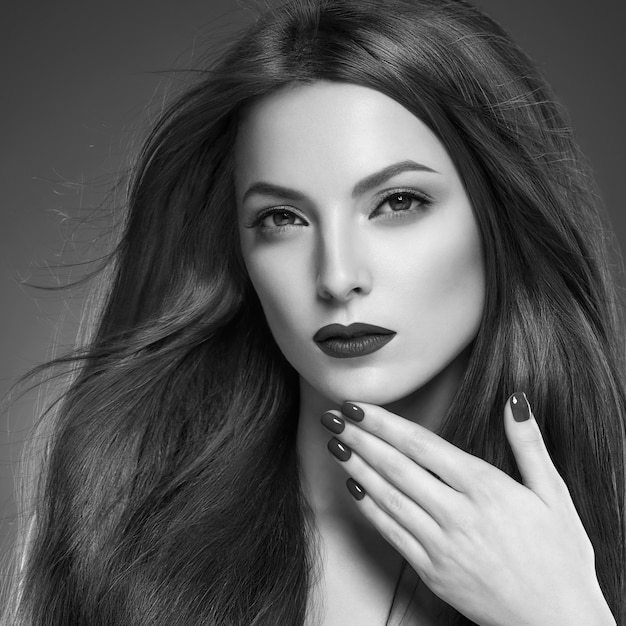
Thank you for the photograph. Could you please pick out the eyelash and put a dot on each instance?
(424, 201)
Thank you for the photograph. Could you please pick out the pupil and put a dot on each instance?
(400, 202)
(282, 219)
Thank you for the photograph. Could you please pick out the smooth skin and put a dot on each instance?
(403, 252)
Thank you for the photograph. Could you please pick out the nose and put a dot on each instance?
(342, 268)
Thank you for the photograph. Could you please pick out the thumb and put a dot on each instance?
(533, 460)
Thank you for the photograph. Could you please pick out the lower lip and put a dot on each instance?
(357, 346)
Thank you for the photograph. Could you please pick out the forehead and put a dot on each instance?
(330, 134)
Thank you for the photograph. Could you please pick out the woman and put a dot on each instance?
(379, 219)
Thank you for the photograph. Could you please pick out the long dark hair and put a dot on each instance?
(169, 489)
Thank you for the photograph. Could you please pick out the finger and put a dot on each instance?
(430, 493)
(394, 502)
(395, 534)
(533, 460)
(451, 464)
(409, 514)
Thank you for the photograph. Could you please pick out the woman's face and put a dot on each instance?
(351, 212)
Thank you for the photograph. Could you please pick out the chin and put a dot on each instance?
(393, 384)
(381, 391)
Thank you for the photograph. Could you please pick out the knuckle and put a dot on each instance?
(396, 538)
(486, 485)
(433, 578)
(394, 468)
(531, 439)
(419, 444)
(482, 486)
(460, 521)
(393, 501)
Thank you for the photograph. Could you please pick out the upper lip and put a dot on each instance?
(357, 329)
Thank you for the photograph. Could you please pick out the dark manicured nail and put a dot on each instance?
(352, 411)
(358, 493)
(519, 406)
(339, 450)
(333, 423)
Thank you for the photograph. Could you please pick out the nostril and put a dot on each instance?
(343, 281)
(340, 293)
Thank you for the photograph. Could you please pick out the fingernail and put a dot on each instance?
(339, 450)
(358, 493)
(333, 423)
(519, 406)
(352, 411)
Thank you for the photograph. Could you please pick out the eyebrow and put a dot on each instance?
(366, 184)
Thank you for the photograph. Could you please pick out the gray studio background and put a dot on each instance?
(80, 81)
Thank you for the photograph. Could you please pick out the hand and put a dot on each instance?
(500, 552)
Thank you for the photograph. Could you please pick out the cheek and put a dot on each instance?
(278, 279)
(437, 279)
(453, 294)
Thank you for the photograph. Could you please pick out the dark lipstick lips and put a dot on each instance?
(355, 340)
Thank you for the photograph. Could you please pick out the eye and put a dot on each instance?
(401, 202)
(275, 219)
(279, 218)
